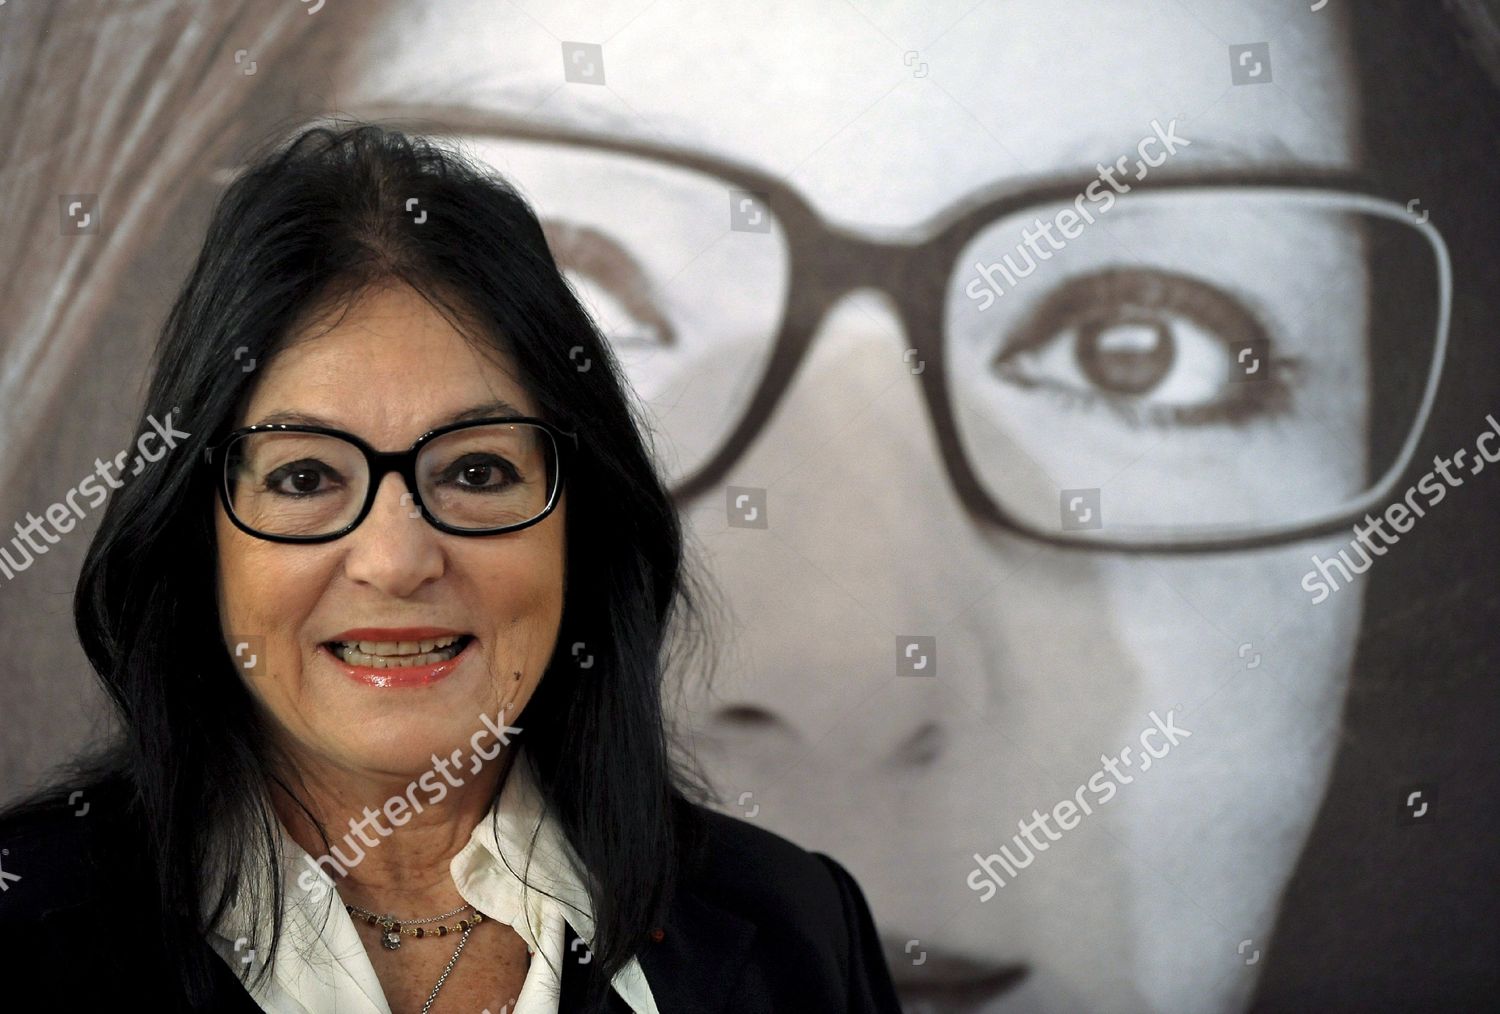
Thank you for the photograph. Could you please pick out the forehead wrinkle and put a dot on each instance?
(315, 391)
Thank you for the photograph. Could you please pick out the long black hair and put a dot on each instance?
(313, 221)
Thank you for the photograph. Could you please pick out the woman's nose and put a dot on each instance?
(845, 602)
(394, 548)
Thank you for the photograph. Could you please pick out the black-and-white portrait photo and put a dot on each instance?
(973, 507)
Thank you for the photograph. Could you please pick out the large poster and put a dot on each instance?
(1082, 411)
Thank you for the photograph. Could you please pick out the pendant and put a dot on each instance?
(390, 939)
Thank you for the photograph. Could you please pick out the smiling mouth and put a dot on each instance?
(399, 654)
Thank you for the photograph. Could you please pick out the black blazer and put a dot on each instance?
(758, 925)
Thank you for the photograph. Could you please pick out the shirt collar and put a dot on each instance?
(487, 872)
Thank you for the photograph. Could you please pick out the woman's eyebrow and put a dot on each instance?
(289, 417)
(497, 407)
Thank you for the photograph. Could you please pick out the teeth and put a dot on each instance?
(396, 654)
(403, 647)
(400, 647)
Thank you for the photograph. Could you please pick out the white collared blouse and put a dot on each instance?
(321, 964)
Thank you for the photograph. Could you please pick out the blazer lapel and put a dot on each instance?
(693, 967)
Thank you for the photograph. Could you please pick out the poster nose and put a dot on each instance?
(863, 545)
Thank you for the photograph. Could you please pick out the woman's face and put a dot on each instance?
(884, 115)
(388, 372)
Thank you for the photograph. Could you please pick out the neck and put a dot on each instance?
(383, 855)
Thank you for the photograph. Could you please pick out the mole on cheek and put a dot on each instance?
(518, 675)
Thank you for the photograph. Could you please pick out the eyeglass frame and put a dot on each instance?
(826, 261)
(379, 464)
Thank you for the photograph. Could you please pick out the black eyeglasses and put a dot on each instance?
(291, 483)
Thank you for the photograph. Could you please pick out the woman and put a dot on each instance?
(460, 663)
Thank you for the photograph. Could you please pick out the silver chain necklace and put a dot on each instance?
(444, 977)
(387, 922)
(390, 937)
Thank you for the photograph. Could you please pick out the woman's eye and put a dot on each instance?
(612, 284)
(480, 473)
(302, 478)
(1152, 346)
